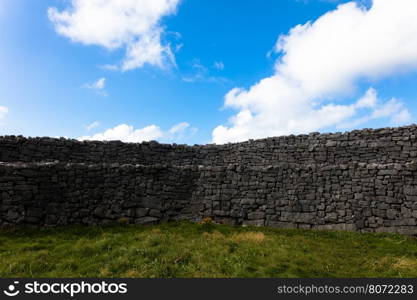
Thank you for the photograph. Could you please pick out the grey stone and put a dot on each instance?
(141, 212)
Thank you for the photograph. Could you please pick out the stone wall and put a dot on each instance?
(361, 180)
(386, 145)
(67, 193)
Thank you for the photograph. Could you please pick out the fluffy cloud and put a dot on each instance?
(325, 59)
(3, 112)
(129, 134)
(393, 109)
(131, 24)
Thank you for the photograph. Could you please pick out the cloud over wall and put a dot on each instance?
(323, 60)
(127, 133)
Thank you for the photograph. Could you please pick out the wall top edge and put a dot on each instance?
(315, 135)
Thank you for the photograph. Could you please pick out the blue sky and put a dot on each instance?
(205, 71)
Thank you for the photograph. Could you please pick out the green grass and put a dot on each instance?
(194, 250)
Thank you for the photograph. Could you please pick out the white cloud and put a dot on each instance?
(3, 112)
(368, 100)
(179, 128)
(322, 60)
(98, 86)
(180, 131)
(131, 24)
(129, 134)
(393, 109)
(401, 117)
(91, 126)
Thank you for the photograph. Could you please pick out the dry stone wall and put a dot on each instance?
(364, 180)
